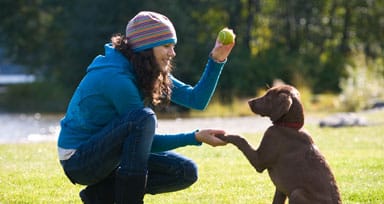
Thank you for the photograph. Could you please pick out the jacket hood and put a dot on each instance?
(111, 59)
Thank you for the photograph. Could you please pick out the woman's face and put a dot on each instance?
(164, 55)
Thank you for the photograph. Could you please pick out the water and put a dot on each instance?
(23, 128)
(16, 128)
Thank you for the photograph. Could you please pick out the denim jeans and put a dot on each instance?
(123, 147)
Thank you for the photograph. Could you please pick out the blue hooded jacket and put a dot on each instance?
(109, 90)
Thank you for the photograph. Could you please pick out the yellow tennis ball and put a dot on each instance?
(226, 36)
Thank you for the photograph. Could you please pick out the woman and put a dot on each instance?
(107, 139)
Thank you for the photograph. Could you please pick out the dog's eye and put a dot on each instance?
(269, 94)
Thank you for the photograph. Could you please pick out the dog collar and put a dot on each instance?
(289, 124)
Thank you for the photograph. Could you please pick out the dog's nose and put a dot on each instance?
(250, 101)
(251, 104)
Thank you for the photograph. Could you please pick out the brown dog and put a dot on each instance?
(295, 165)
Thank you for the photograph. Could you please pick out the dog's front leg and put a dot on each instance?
(239, 142)
(279, 197)
(243, 145)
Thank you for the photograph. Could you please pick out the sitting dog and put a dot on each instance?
(295, 165)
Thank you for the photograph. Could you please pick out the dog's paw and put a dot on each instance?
(234, 139)
(222, 137)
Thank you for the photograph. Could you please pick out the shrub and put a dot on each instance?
(363, 83)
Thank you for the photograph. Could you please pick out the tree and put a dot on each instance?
(304, 42)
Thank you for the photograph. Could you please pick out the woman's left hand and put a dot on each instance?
(208, 136)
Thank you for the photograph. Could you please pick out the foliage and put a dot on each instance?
(303, 42)
(364, 81)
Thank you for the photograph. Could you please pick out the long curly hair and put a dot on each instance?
(153, 81)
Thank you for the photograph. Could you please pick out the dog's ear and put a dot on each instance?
(281, 106)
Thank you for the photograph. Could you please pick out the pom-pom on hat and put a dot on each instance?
(149, 29)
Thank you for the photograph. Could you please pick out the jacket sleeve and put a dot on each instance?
(165, 142)
(198, 96)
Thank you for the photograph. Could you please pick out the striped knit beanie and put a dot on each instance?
(149, 29)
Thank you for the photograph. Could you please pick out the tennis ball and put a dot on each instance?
(226, 36)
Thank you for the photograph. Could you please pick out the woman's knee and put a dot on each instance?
(145, 117)
(190, 172)
(141, 118)
(137, 143)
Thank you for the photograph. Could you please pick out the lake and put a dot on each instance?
(21, 128)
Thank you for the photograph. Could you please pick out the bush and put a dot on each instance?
(363, 83)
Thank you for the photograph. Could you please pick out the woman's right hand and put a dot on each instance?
(220, 52)
(208, 136)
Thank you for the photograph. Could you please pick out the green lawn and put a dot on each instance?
(30, 173)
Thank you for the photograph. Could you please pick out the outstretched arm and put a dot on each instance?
(165, 142)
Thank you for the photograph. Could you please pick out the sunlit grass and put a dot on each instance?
(320, 103)
(238, 107)
(30, 173)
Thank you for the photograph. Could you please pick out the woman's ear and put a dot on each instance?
(281, 106)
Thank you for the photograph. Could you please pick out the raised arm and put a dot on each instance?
(198, 96)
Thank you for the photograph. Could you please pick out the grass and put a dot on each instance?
(30, 173)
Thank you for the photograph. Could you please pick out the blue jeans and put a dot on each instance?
(123, 147)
